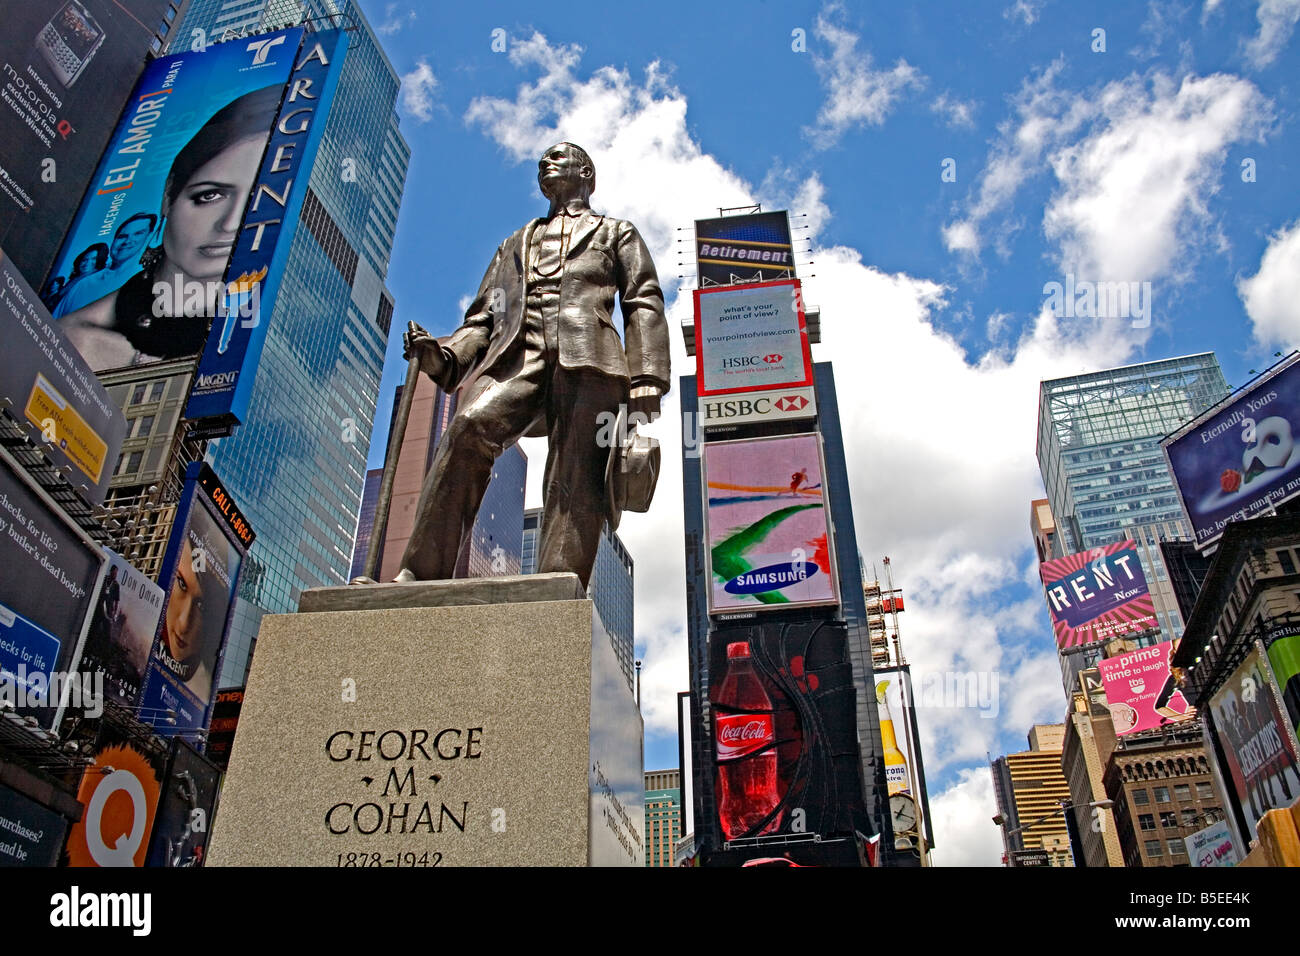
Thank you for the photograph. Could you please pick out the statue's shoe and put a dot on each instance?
(362, 579)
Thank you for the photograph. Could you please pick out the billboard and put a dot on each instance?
(222, 726)
(767, 526)
(1212, 846)
(200, 575)
(1097, 594)
(751, 338)
(66, 69)
(752, 248)
(1141, 692)
(122, 628)
(224, 383)
(119, 789)
(185, 805)
(49, 574)
(1284, 658)
(1255, 739)
(1241, 458)
(30, 834)
(785, 749)
(54, 391)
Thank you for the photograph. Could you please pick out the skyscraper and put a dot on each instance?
(298, 463)
(1029, 787)
(852, 609)
(611, 587)
(1106, 478)
(663, 816)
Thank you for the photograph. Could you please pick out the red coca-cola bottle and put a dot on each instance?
(745, 739)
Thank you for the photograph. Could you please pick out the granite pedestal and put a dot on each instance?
(478, 722)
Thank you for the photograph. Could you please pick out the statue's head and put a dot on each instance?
(566, 172)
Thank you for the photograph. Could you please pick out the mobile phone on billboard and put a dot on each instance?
(69, 40)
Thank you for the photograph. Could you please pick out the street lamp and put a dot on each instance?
(1071, 825)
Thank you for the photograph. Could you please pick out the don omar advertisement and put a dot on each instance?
(1243, 459)
(768, 525)
(141, 273)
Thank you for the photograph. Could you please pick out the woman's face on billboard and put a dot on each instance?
(184, 623)
(203, 222)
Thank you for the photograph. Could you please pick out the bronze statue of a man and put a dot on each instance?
(539, 354)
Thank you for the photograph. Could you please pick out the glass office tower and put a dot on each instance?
(1099, 452)
(611, 588)
(853, 607)
(297, 466)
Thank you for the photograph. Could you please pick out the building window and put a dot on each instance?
(156, 392)
(1154, 848)
(1162, 794)
(1204, 791)
(1183, 791)
(1284, 558)
(1141, 798)
(1176, 846)
(137, 396)
(1169, 819)
(1189, 818)
(1147, 822)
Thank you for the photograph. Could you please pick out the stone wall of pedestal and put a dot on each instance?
(431, 732)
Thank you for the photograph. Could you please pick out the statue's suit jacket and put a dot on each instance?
(605, 256)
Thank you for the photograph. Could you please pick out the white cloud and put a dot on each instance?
(1277, 20)
(964, 832)
(1135, 165)
(856, 94)
(1133, 195)
(394, 21)
(931, 486)
(1272, 295)
(1026, 11)
(955, 112)
(417, 91)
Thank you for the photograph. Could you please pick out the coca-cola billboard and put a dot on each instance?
(786, 766)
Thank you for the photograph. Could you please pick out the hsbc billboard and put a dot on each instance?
(751, 338)
(769, 406)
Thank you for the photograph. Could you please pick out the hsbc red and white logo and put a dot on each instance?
(775, 405)
(772, 359)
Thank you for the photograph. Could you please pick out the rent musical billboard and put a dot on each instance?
(1097, 594)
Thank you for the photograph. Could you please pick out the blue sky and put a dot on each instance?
(948, 160)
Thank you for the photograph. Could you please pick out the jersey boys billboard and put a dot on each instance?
(1241, 459)
(1097, 594)
(767, 525)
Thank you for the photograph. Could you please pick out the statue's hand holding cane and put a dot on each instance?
(419, 342)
